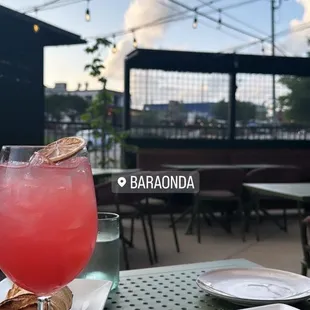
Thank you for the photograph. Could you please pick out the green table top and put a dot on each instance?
(294, 191)
(170, 288)
(195, 167)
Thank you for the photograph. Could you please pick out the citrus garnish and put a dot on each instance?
(62, 149)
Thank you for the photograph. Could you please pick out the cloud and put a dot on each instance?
(297, 42)
(137, 14)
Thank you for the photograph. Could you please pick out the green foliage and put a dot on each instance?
(57, 106)
(245, 111)
(295, 104)
(98, 111)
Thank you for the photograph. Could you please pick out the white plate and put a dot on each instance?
(87, 294)
(255, 286)
(273, 307)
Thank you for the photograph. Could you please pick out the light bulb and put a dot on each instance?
(36, 28)
(135, 43)
(195, 23)
(114, 49)
(87, 15)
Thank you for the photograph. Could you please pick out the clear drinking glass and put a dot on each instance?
(48, 217)
(104, 263)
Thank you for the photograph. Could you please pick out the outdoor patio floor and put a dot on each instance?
(276, 249)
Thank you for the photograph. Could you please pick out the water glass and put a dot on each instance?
(104, 263)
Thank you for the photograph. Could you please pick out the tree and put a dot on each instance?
(99, 110)
(295, 104)
(57, 106)
(244, 110)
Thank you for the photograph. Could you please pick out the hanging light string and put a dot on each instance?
(114, 48)
(220, 19)
(195, 21)
(87, 12)
(36, 27)
(134, 41)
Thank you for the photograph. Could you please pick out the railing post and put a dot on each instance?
(126, 113)
(126, 110)
(232, 106)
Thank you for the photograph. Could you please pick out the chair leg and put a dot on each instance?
(175, 236)
(304, 268)
(257, 216)
(147, 242)
(284, 220)
(150, 222)
(184, 213)
(207, 219)
(243, 219)
(125, 252)
(196, 217)
(132, 229)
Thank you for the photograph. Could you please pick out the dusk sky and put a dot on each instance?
(66, 64)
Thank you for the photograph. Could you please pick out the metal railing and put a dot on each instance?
(56, 130)
(96, 148)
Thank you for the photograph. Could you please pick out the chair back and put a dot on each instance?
(104, 194)
(274, 175)
(230, 179)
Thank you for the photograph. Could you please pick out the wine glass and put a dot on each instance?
(48, 218)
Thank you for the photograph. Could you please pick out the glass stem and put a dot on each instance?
(42, 300)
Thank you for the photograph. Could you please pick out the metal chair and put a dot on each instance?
(125, 206)
(219, 185)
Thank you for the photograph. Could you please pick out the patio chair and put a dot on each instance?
(124, 205)
(159, 204)
(219, 185)
(305, 263)
(271, 175)
(152, 204)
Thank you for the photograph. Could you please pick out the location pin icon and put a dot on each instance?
(121, 181)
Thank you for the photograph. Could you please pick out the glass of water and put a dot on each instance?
(104, 263)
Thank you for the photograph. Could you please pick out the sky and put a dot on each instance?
(66, 63)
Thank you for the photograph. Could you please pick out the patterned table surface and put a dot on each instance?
(170, 288)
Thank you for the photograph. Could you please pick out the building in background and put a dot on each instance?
(84, 92)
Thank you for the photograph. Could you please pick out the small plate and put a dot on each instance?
(87, 294)
(255, 286)
(273, 307)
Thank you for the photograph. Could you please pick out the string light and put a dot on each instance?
(36, 28)
(114, 48)
(220, 19)
(263, 48)
(134, 42)
(195, 21)
(87, 12)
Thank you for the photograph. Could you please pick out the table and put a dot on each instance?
(101, 173)
(171, 287)
(295, 191)
(246, 167)
(299, 192)
(108, 172)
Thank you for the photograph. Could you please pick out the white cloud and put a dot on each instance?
(137, 14)
(297, 43)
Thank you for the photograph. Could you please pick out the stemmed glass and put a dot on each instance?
(48, 219)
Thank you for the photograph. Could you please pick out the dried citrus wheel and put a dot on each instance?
(62, 149)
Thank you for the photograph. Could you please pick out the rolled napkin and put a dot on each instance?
(20, 299)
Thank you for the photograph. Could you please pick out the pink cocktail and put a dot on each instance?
(48, 222)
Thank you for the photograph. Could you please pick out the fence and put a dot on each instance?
(187, 95)
(98, 152)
